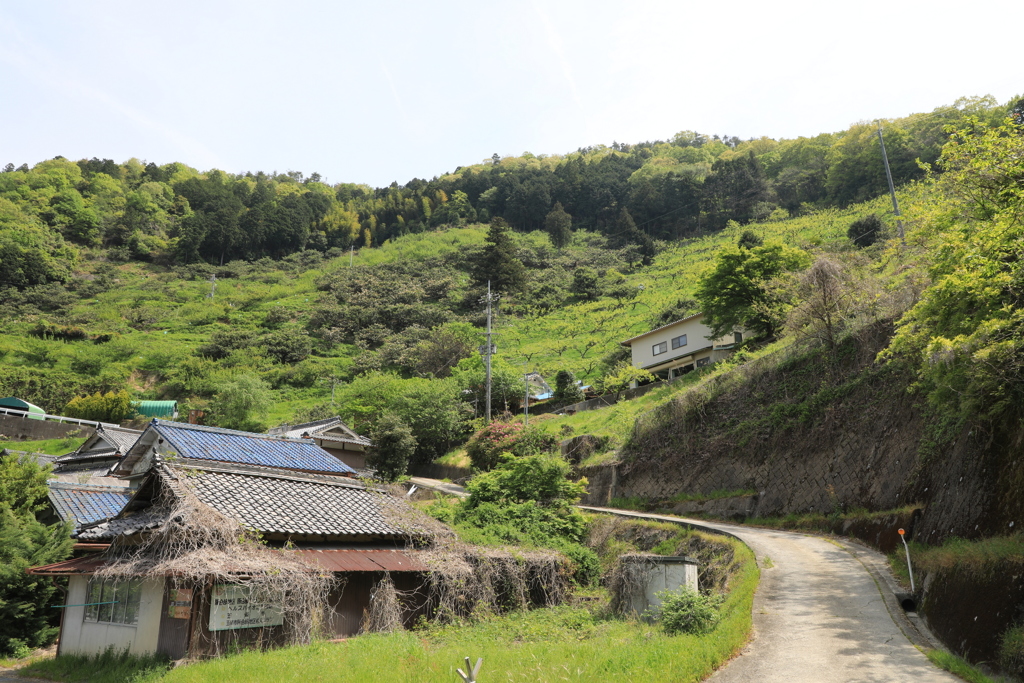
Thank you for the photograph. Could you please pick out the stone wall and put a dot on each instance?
(23, 429)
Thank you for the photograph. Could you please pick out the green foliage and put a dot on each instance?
(242, 402)
(487, 445)
(567, 388)
(585, 284)
(958, 666)
(393, 447)
(623, 376)
(1011, 651)
(109, 407)
(26, 620)
(498, 263)
(558, 225)
(685, 610)
(966, 334)
(110, 666)
(737, 291)
(865, 231)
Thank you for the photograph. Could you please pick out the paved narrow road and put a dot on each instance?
(822, 614)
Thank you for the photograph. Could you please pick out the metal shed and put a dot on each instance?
(16, 405)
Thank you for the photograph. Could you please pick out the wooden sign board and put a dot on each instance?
(179, 603)
(232, 607)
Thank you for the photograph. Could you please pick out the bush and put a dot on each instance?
(393, 446)
(1011, 651)
(688, 611)
(486, 446)
(109, 407)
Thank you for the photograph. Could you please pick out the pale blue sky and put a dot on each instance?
(375, 92)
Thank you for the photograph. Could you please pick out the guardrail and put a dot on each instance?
(54, 418)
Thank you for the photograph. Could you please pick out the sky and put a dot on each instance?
(375, 92)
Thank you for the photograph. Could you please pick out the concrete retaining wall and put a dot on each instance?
(22, 429)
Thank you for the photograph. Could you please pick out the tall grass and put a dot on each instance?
(109, 667)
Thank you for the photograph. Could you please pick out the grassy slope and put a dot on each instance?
(182, 316)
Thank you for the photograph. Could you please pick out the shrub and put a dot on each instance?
(393, 446)
(486, 446)
(1011, 651)
(687, 611)
(109, 407)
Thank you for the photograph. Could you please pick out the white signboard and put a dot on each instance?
(231, 607)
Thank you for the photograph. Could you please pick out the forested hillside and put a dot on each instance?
(260, 298)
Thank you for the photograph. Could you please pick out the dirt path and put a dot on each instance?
(822, 614)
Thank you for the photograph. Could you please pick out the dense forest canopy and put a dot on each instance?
(631, 193)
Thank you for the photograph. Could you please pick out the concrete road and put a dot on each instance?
(824, 613)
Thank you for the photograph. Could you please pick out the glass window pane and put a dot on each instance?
(105, 597)
(131, 610)
(120, 591)
(92, 596)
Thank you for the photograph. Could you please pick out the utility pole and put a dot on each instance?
(488, 350)
(213, 286)
(526, 401)
(892, 189)
(351, 253)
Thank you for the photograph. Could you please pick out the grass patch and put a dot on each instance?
(971, 556)
(109, 667)
(957, 666)
(45, 446)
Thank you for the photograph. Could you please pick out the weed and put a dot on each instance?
(957, 666)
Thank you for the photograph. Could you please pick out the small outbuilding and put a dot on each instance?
(15, 406)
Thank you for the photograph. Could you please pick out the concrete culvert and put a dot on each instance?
(907, 601)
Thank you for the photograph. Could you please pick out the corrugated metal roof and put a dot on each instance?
(86, 504)
(156, 408)
(227, 445)
(360, 560)
(79, 565)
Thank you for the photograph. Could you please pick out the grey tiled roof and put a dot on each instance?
(274, 502)
(319, 429)
(106, 443)
(106, 531)
(85, 504)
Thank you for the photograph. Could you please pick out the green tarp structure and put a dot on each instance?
(168, 409)
(32, 412)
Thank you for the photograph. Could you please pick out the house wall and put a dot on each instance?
(81, 637)
(354, 459)
(697, 338)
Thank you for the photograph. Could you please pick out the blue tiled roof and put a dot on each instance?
(227, 445)
(87, 503)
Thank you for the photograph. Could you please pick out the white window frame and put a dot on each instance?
(113, 602)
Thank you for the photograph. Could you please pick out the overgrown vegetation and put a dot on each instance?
(27, 620)
(110, 666)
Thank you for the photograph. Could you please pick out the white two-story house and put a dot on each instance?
(677, 348)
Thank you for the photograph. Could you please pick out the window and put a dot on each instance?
(660, 348)
(679, 342)
(113, 602)
(738, 337)
(701, 362)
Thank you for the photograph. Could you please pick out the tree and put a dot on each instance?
(26, 618)
(865, 231)
(242, 402)
(737, 291)
(827, 303)
(627, 233)
(558, 224)
(749, 240)
(585, 283)
(567, 388)
(393, 446)
(498, 263)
